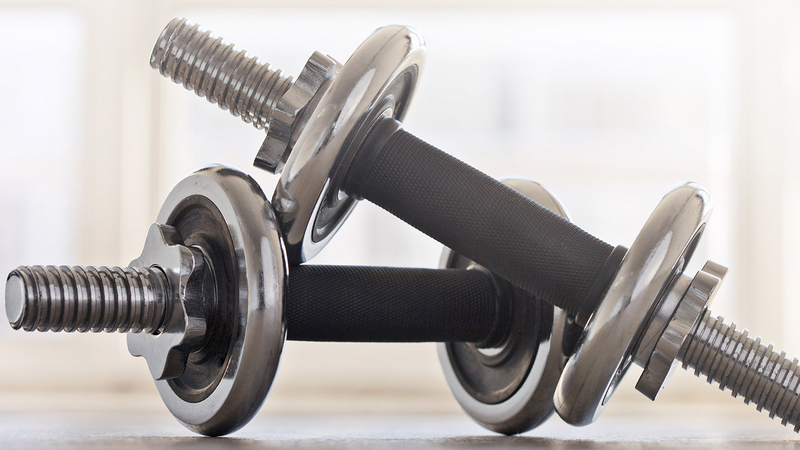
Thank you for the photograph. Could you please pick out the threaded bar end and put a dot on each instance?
(63, 298)
(219, 72)
(746, 367)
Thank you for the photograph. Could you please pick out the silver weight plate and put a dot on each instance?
(377, 81)
(606, 347)
(223, 212)
(510, 389)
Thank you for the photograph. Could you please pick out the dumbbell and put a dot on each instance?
(337, 129)
(209, 303)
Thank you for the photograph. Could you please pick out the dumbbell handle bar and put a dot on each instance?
(482, 219)
(382, 304)
(323, 303)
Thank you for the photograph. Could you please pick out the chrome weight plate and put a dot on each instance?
(606, 347)
(377, 81)
(509, 389)
(224, 213)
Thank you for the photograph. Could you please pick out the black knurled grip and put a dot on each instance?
(477, 216)
(381, 304)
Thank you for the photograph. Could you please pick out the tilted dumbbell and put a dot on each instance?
(337, 130)
(209, 302)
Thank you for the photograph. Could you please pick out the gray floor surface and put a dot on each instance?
(684, 429)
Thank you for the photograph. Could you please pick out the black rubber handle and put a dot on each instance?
(477, 216)
(381, 304)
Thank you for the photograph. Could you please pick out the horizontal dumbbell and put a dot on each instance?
(209, 301)
(337, 129)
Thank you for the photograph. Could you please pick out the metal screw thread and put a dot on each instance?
(744, 365)
(63, 298)
(219, 72)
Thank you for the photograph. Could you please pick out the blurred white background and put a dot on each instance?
(608, 104)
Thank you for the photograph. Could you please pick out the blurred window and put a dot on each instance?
(40, 124)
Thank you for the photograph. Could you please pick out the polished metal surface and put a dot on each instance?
(378, 80)
(243, 85)
(219, 72)
(158, 300)
(531, 401)
(224, 212)
(184, 326)
(313, 125)
(657, 317)
(662, 316)
(203, 303)
(96, 299)
(694, 300)
(745, 366)
(15, 295)
(608, 343)
(293, 110)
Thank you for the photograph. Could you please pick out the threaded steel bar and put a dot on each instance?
(747, 367)
(218, 71)
(63, 298)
